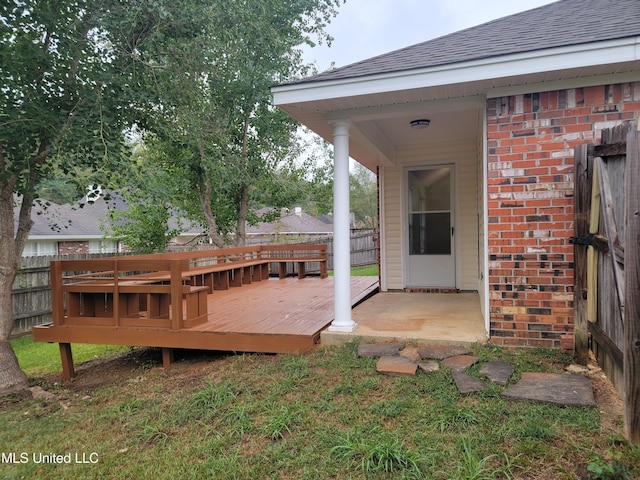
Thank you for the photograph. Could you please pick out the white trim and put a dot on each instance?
(382, 237)
(485, 226)
(58, 238)
(453, 165)
(553, 59)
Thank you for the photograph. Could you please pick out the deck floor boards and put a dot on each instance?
(270, 316)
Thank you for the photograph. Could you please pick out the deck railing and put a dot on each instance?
(167, 290)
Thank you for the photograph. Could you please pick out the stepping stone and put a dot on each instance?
(396, 365)
(460, 362)
(467, 384)
(497, 371)
(440, 352)
(429, 366)
(558, 388)
(380, 349)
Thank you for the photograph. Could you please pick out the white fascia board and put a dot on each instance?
(62, 238)
(562, 58)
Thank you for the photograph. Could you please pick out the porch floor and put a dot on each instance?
(427, 318)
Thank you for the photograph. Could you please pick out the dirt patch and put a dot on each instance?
(609, 402)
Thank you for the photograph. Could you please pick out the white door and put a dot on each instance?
(429, 257)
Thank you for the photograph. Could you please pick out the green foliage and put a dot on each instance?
(474, 467)
(218, 133)
(602, 469)
(221, 416)
(363, 197)
(43, 358)
(375, 452)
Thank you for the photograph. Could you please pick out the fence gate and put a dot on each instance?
(607, 276)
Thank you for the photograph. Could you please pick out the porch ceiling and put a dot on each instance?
(381, 107)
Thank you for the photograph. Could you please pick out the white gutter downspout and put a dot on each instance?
(342, 321)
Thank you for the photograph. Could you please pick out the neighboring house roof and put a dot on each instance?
(560, 24)
(292, 222)
(83, 220)
(78, 221)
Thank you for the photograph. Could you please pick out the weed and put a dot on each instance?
(613, 469)
(377, 454)
(151, 434)
(453, 417)
(474, 467)
(279, 421)
(211, 397)
(238, 421)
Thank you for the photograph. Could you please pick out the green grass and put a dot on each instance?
(38, 358)
(365, 271)
(322, 414)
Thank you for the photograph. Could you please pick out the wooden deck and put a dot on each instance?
(283, 315)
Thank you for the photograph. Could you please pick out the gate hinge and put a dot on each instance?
(586, 240)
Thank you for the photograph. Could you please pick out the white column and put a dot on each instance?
(342, 321)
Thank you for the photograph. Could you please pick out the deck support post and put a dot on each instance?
(68, 372)
(167, 357)
(342, 321)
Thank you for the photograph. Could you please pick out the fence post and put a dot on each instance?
(632, 289)
(582, 207)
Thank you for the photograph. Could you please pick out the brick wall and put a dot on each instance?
(69, 248)
(530, 189)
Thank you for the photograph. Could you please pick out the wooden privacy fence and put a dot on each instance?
(607, 261)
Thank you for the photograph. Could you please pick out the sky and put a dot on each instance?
(366, 28)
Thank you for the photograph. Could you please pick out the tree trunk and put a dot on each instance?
(11, 376)
(241, 227)
(205, 200)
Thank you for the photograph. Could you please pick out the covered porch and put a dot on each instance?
(426, 318)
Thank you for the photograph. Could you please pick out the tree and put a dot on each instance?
(218, 128)
(363, 193)
(77, 73)
(73, 79)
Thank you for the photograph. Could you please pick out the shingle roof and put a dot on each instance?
(299, 222)
(563, 23)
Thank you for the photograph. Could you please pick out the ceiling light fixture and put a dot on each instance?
(420, 123)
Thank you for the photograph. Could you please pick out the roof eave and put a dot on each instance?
(536, 61)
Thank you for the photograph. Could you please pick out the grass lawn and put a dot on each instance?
(38, 358)
(365, 271)
(322, 414)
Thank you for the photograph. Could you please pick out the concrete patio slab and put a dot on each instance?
(434, 318)
(561, 389)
